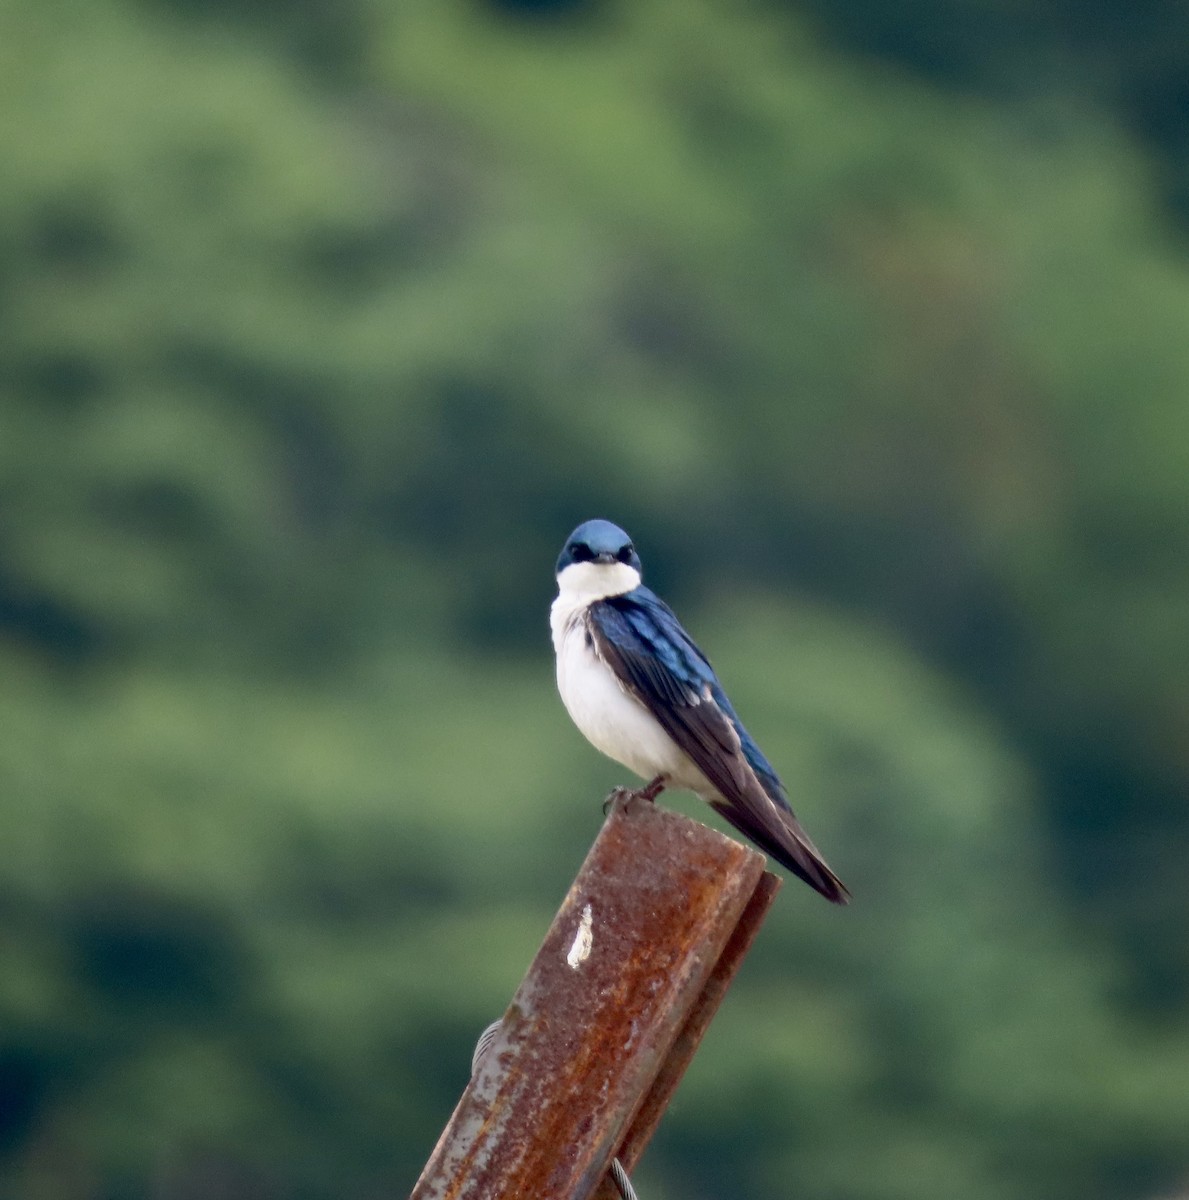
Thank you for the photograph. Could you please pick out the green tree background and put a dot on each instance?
(322, 323)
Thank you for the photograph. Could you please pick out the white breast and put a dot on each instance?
(611, 719)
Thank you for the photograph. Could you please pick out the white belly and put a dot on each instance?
(611, 719)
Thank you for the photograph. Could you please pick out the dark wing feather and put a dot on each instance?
(642, 641)
(671, 678)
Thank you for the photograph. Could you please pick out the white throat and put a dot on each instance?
(587, 581)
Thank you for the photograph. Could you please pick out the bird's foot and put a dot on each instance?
(622, 795)
(619, 795)
(650, 791)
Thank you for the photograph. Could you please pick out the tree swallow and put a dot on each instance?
(641, 691)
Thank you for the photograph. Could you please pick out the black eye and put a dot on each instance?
(625, 553)
(580, 552)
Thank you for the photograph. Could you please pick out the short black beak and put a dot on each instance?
(605, 556)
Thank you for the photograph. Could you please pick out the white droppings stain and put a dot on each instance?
(583, 939)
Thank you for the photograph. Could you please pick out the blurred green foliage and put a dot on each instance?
(322, 324)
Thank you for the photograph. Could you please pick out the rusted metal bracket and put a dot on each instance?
(609, 1015)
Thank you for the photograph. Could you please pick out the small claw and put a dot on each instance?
(619, 794)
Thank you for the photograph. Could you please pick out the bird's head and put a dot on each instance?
(598, 560)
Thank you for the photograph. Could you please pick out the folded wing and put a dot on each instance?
(641, 640)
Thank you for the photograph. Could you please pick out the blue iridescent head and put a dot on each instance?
(600, 543)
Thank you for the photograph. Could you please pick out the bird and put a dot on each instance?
(641, 691)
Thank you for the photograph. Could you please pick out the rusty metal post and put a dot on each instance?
(649, 1114)
(624, 984)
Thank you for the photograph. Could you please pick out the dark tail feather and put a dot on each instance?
(778, 833)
